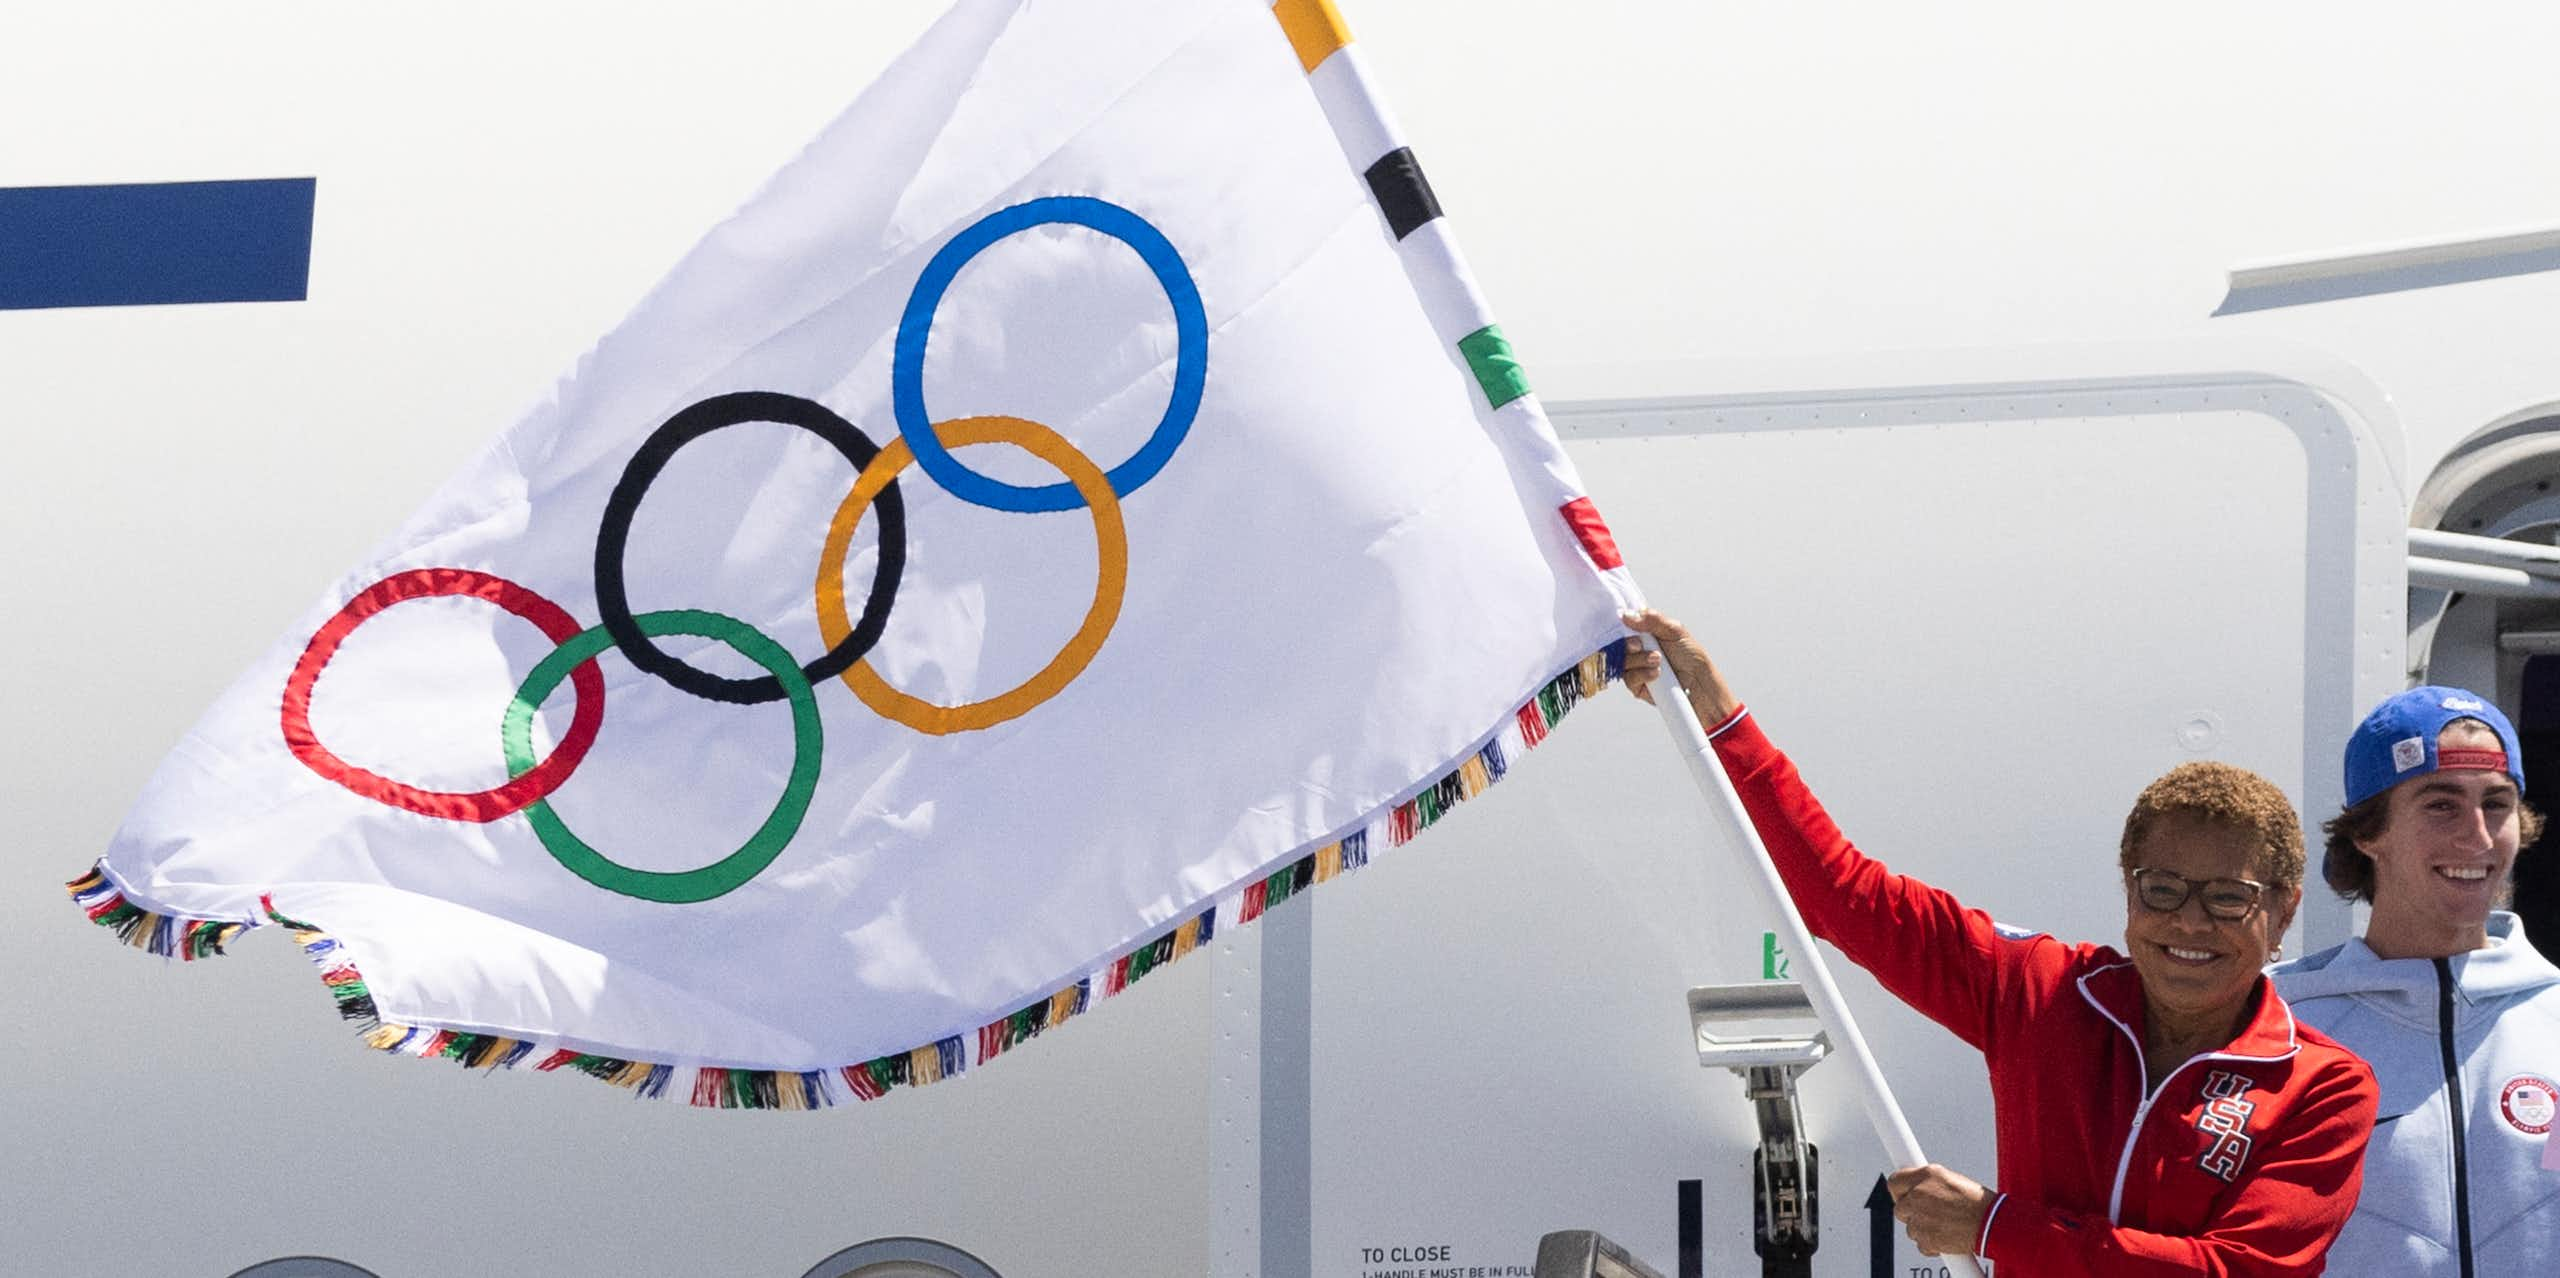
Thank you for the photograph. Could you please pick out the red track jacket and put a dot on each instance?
(2245, 1161)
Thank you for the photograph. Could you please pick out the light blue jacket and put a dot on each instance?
(2475, 1036)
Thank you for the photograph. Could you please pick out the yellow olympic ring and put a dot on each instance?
(1111, 550)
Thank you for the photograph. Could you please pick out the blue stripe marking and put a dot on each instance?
(155, 243)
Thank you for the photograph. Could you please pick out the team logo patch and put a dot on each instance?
(2528, 1103)
(2224, 1120)
(2407, 753)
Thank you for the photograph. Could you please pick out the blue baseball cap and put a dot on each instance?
(2398, 741)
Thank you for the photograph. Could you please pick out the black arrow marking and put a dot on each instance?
(1693, 1229)
(1880, 1231)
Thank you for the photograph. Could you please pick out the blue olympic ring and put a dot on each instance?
(1190, 370)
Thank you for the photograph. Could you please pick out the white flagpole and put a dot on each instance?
(1373, 143)
(1724, 809)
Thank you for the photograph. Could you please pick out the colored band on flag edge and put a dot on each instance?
(1315, 29)
(1489, 356)
(1583, 517)
(1403, 194)
(718, 1087)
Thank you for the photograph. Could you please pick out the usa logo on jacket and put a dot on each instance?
(2528, 1102)
(2224, 1120)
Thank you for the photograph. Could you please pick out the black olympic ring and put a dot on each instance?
(613, 599)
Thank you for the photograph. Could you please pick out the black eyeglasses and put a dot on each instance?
(2166, 891)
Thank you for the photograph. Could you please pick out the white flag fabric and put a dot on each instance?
(1077, 502)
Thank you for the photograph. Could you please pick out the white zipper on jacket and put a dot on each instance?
(2133, 1134)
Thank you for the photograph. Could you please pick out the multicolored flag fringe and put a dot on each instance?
(1077, 505)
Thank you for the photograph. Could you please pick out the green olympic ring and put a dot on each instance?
(725, 875)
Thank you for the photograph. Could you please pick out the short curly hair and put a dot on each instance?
(2228, 796)
(2345, 867)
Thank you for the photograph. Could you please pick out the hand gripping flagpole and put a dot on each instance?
(1724, 808)
(1375, 147)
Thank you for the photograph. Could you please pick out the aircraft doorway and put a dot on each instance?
(2484, 610)
(2537, 875)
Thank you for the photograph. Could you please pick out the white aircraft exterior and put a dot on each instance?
(1885, 336)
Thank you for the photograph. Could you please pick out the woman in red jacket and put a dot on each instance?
(2157, 1110)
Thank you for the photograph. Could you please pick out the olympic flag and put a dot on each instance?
(1078, 502)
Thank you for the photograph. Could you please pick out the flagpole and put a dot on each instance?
(1724, 810)
(1375, 147)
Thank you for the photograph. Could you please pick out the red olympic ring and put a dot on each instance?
(482, 805)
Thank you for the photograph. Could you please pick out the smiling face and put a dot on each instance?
(2441, 860)
(2198, 971)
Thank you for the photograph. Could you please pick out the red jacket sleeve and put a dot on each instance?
(2301, 1184)
(1947, 961)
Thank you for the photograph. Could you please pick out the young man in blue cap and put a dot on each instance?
(2459, 1016)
